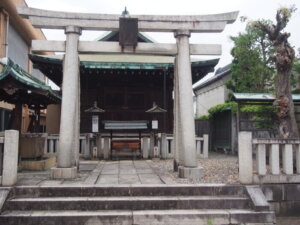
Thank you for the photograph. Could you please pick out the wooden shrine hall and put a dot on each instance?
(125, 87)
(126, 77)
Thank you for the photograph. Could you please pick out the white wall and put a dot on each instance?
(211, 95)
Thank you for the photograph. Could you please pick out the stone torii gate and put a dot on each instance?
(181, 26)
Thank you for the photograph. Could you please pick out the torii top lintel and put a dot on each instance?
(152, 23)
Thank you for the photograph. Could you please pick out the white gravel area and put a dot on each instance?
(218, 168)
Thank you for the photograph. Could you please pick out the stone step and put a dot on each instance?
(129, 190)
(144, 217)
(128, 203)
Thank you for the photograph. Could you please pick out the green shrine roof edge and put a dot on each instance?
(124, 65)
(17, 72)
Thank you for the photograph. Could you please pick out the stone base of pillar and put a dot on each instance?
(63, 173)
(191, 173)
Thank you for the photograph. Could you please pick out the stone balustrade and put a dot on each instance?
(167, 150)
(276, 160)
(53, 144)
(88, 143)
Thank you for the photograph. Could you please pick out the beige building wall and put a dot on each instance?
(53, 119)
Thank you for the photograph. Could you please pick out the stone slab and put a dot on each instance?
(30, 180)
(188, 217)
(50, 183)
(129, 179)
(150, 179)
(63, 173)
(257, 198)
(147, 171)
(3, 195)
(127, 171)
(92, 178)
(108, 179)
(107, 171)
(191, 173)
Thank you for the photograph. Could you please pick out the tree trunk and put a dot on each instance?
(284, 58)
(286, 113)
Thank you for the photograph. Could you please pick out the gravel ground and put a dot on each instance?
(219, 168)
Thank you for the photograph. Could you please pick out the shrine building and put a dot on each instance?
(122, 86)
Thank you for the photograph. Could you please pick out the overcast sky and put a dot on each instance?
(253, 9)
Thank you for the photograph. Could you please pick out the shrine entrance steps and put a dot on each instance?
(134, 204)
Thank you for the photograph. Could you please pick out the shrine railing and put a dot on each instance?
(53, 143)
(98, 146)
(268, 160)
(167, 150)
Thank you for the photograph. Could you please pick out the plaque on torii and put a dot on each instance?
(128, 32)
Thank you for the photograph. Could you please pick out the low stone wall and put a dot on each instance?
(284, 199)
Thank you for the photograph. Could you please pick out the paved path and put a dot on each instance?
(102, 173)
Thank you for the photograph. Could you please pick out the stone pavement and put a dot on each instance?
(102, 173)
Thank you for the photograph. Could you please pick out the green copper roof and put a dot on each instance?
(107, 36)
(123, 61)
(51, 66)
(259, 97)
(13, 72)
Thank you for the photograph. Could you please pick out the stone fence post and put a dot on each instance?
(10, 158)
(245, 157)
(163, 146)
(205, 146)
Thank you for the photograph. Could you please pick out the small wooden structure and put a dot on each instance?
(19, 87)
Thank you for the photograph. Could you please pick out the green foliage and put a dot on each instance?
(295, 75)
(204, 117)
(263, 116)
(258, 109)
(287, 12)
(252, 67)
(210, 222)
(223, 107)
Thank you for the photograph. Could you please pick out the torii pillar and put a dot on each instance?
(184, 115)
(69, 123)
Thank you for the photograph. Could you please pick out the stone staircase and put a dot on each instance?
(134, 204)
